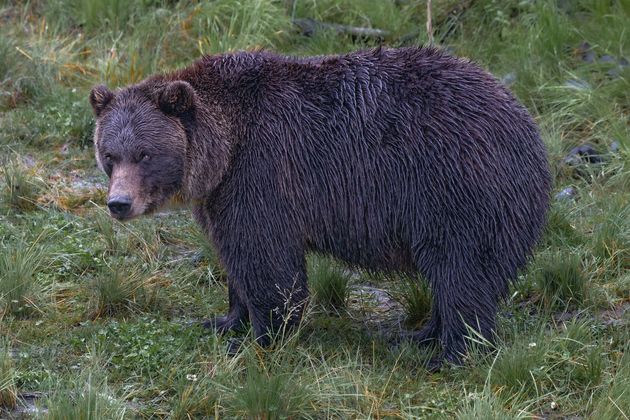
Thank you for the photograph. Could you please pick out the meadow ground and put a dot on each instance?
(94, 314)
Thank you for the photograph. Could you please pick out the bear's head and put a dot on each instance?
(141, 144)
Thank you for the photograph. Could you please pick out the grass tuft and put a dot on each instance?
(118, 290)
(415, 296)
(8, 376)
(328, 282)
(20, 189)
(514, 369)
(19, 265)
(267, 395)
(560, 280)
(613, 402)
(484, 405)
(87, 400)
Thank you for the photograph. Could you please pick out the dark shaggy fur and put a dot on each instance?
(389, 159)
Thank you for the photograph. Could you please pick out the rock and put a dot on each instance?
(585, 153)
(615, 146)
(623, 62)
(586, 53)
(28, 406)
(378, 309)
(29, 161)
(614, 72)
(607, 59)
(577, 84)
(509, 79)
(567, 194)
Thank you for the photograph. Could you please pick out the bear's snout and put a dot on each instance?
(120, 206)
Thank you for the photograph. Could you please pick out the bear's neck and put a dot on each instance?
(214, 129)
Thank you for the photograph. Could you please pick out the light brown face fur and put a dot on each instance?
(126, 181)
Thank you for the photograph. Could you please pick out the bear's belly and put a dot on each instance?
(374, 255)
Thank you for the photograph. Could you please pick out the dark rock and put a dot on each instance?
(607, 59)
(589, 57)
(586, 53)
(623, 62)
(583, 154)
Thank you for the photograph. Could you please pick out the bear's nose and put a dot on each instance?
(119, 206)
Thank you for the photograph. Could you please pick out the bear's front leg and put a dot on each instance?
(237, 316)
(270, 277)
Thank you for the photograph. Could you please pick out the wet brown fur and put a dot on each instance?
(389, 159)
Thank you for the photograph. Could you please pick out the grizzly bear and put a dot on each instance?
(407, 160)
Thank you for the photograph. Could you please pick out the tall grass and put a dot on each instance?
(8, 376)
(328, 282)
(86, 399)
(21, 188)
(19, 264)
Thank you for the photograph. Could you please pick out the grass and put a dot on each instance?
(89, 400)
(20, 190)
(8, 390)
(328, 283)
(19, 265)
(116, 290)
(560, 280)
(97, 314)
(415, 296)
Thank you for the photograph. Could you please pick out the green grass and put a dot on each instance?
(88, 400)
(96, 314)
(328, 283)
(20, 190)
(560, 280)
(8, 391)
(19, 288)
(415, 296)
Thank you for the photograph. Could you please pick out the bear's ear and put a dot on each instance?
(99, 98)
(177, 98)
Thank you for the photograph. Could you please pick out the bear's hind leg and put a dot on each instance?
(465, 298)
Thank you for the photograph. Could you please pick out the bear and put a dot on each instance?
(389, 159)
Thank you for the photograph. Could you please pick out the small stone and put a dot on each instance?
(589, 57)
(586, 53)
(615, 146)
(509, 79)
(583, 154)
(29, 161)
(577, 84)
(623, 62)
(554, 405)
(566, 194)
(607, 59)
(197, 258)
(614, 72)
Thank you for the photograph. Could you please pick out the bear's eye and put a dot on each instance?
(108, 157)
(145, 157)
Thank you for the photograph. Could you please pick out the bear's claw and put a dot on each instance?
(223, 324)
